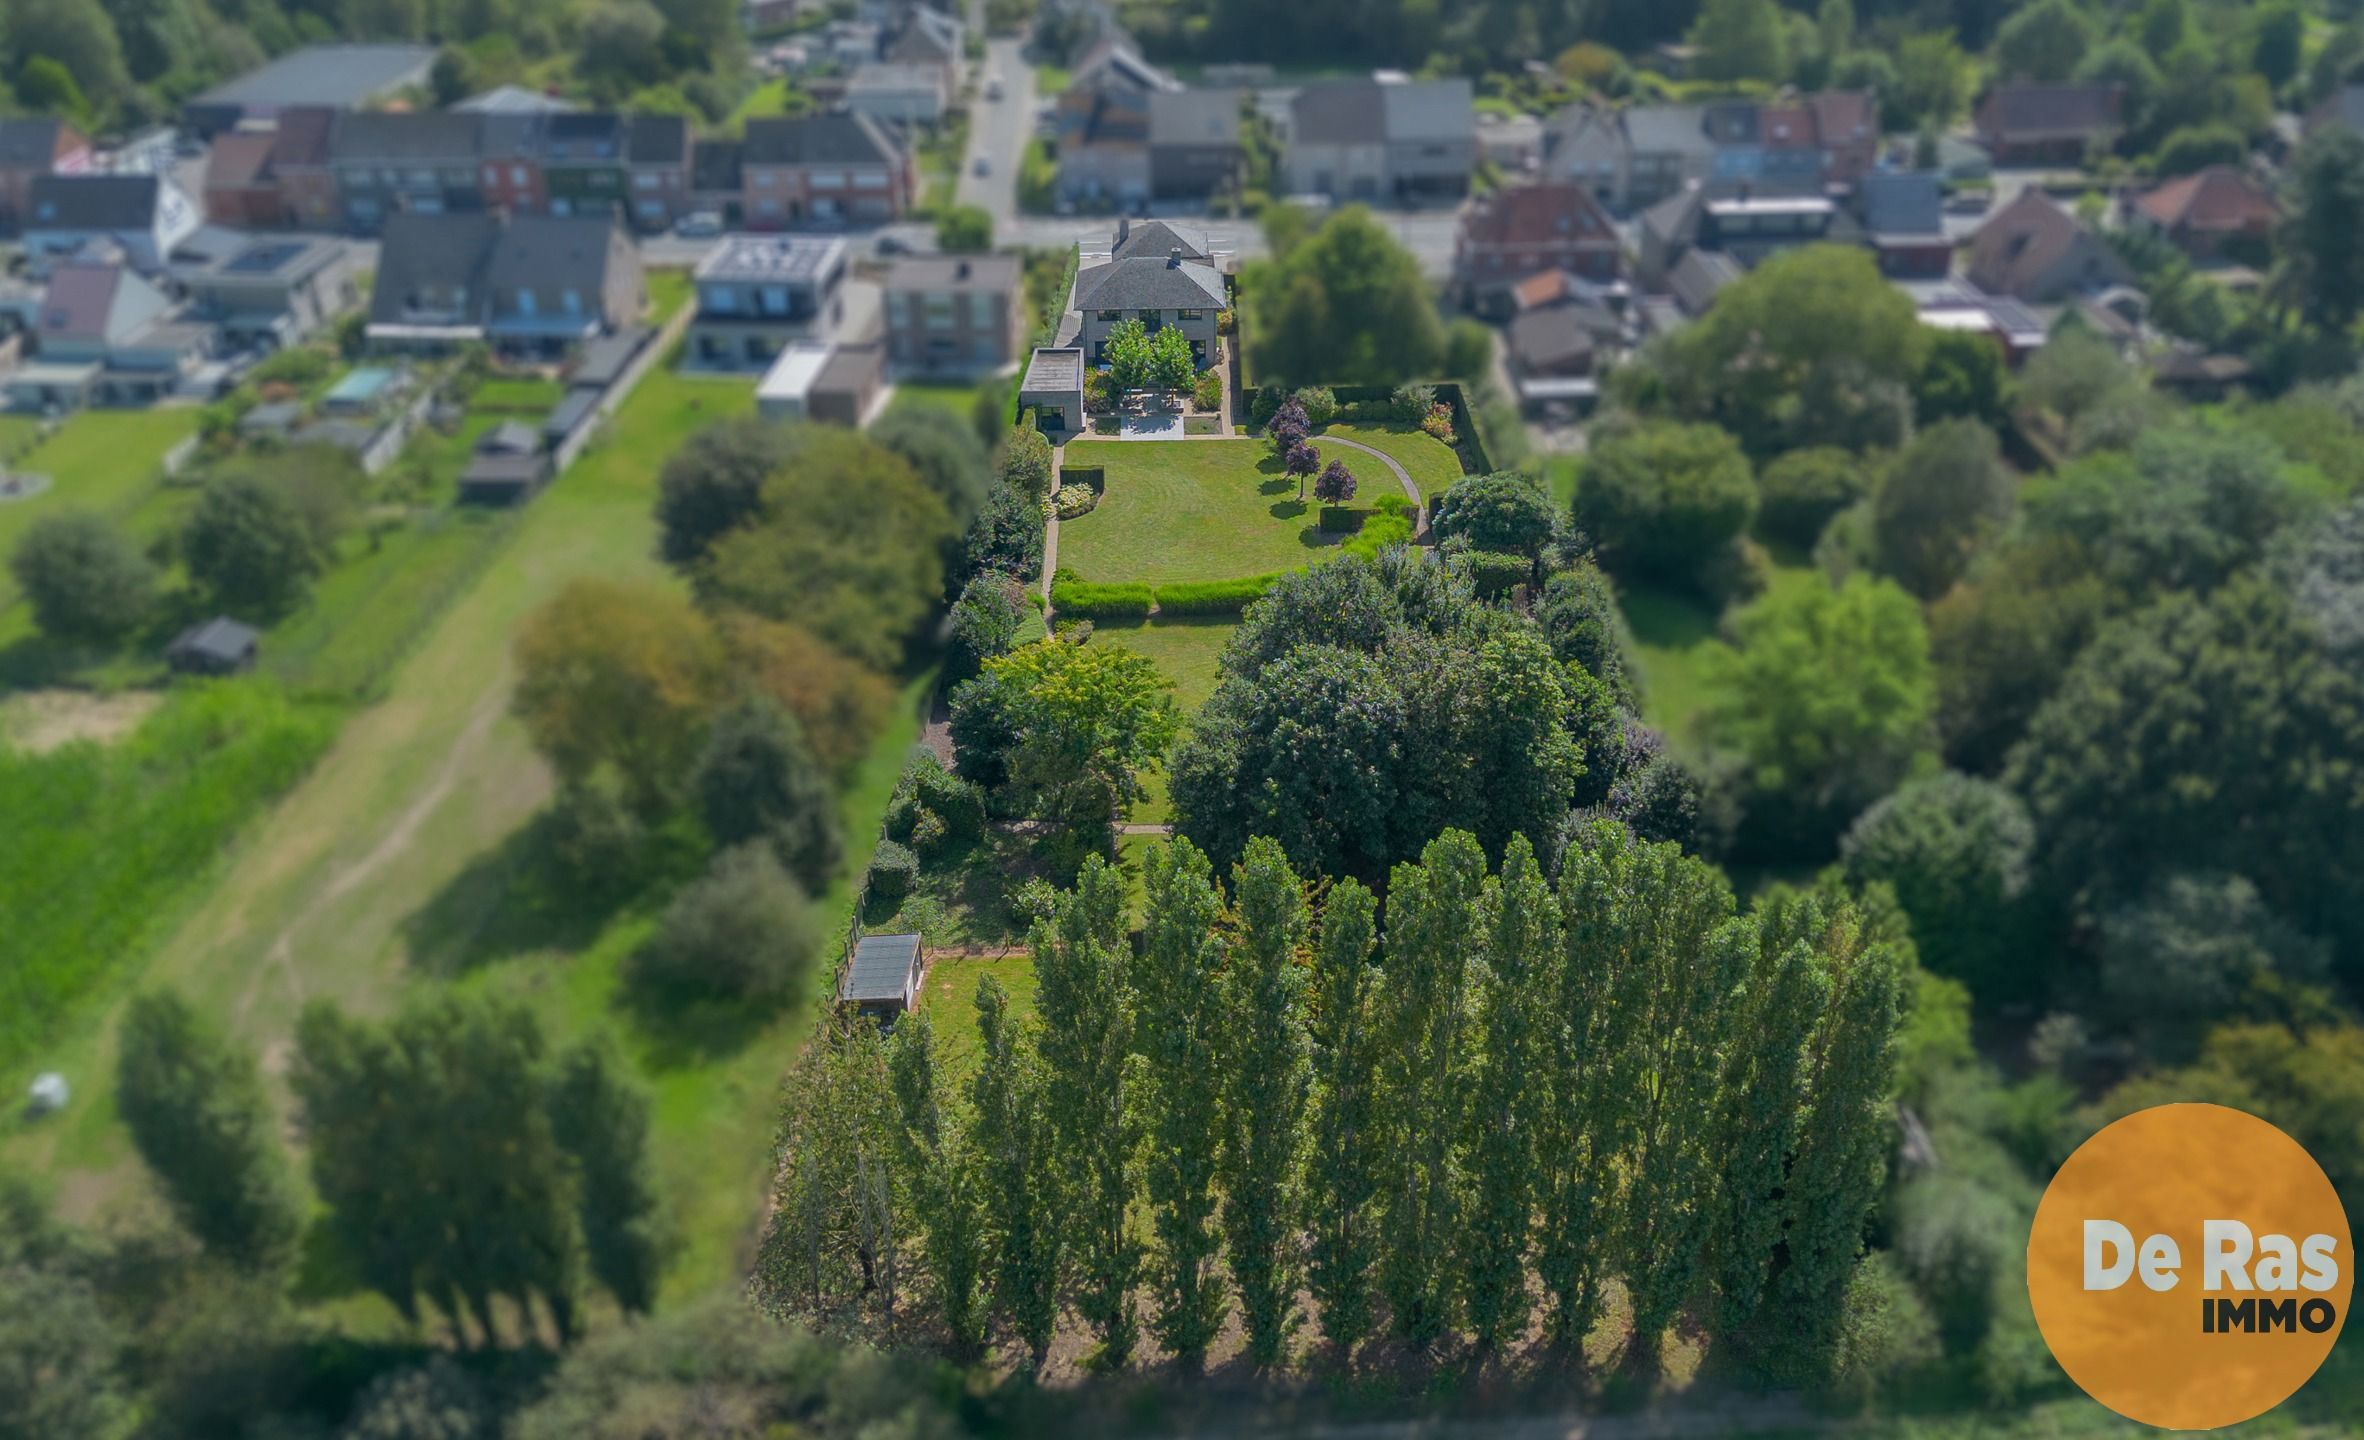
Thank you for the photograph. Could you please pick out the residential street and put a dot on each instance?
(998, 132)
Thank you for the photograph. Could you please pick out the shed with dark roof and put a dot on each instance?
(883, 975)
(220, 646)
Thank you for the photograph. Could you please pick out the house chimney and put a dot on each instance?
(1174, 258)
(1124, 227)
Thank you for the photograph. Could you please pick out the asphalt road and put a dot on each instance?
(998, 132)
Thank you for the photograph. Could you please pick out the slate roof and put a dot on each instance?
(1699, 277)
(549, 253)
(716, 165)
(1668, 129)
(657, 140)
(1340, 114)
(440, 251)
(584, 135)
(93, 202)
(1142, 283)
(1895, 206)
(510, 437)
(100, 304)
(1156, 239)
(377, 135)
(29, 143)
(510, 134)
(1195, 117)
(1549, 339)
(325, 75)
(835, 139)
(305, 135)
(880, 968)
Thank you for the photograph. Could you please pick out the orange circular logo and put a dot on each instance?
(2190, 1266)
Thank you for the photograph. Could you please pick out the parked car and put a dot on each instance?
(892, 245)
(982, 168)
(698, 225)
(993, 87)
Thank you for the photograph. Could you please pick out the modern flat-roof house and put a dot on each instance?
(30, 147)
(1178, 287)
(883, 976)
(759, 294)
(2049, 124)
(272, 292)
(1388, 137)
(953, 314)
(826, 168)
(145, 215)
(1053, 388)
(1511, 234)
(338, 76)
(833, 384)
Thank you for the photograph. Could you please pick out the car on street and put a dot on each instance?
(982, 168)
(993, 87)
(892, 245)
(698, 225)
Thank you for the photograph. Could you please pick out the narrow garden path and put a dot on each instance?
(1403, 477)
(1144, 829)
(1050, 532)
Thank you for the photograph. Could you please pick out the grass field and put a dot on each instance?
(103, 460)
(950, 1001)
(1673, 632)
(385, 869)
(1429, 461)
(1179, 510)
(960, 400)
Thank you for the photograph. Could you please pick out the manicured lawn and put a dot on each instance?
(391, 865)
(1198, 510)
(1186, 649)
(1431, 462)
(103, 460)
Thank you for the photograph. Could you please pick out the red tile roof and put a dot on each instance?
(1536, 215)
(2219, 198)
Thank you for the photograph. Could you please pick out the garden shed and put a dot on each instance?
(883, 977)
(220, 646)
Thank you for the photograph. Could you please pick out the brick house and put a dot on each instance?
(2206, 214)
(954, 313)
(1514, 233)
(838, 167)
(657, 170)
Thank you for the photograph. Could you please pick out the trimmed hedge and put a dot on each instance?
(1100, 602)
(1497, 573)
(1215, 597)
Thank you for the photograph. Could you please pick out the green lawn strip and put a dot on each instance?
(960, 400)
(1431, 463)
(1189, 652)
(1559, 473)
(320, 902)
(1181, 510)
(108, 461)
(950, 1000)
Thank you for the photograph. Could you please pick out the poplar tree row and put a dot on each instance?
(1514, 1094)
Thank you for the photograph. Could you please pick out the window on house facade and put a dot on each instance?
(571, 301)
(938, 310)
(1111, 316)
(1190, 315)
(980, 310)
(775, 299)
(517, 175)
(527, 305)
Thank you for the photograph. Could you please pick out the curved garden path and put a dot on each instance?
(1403, 477)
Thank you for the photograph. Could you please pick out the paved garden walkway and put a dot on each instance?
(1403, 477)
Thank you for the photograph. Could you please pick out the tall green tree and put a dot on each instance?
(442, 1173)
(599, 1116)
(1740, 40)
(2323, 267)
(1346, 305)
(1084, 996)
(1507, 1094)
(247, 545)
(87, 583)
(757, 780)
(1839, 1159)
(833, 1252)
(1267, 1070)
(1180, 1023)
(942, 1180)
(2042, 42)
(194, 1104)
(1759, 1103)
(1679, 987)
(1344, 1125)
(1022, 1180)
(1945, 495)
(1586, 1055)
(1424, 1073)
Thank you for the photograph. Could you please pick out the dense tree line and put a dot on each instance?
(1502, 1087)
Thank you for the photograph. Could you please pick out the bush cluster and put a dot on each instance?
(1214, 597)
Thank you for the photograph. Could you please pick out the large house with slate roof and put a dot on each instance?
(1159, 274)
